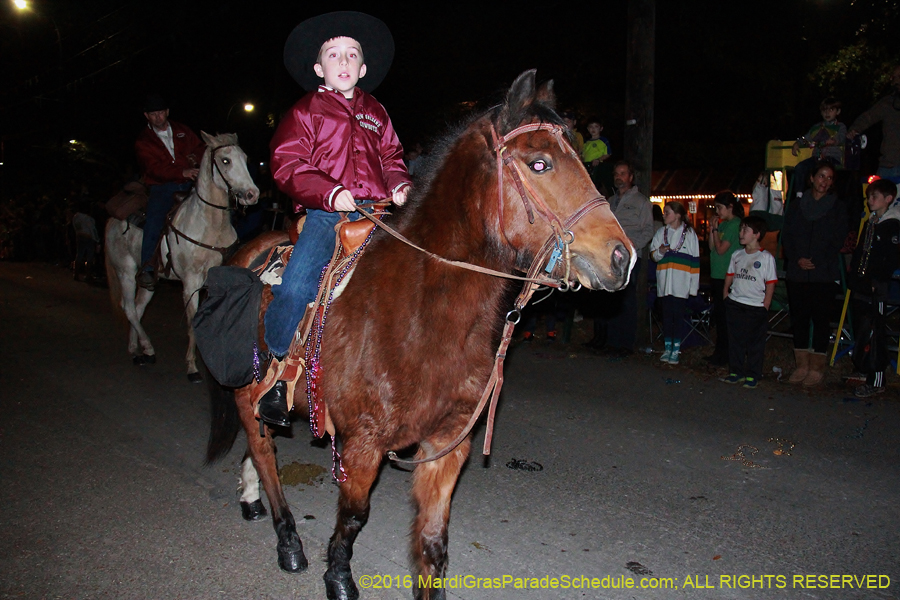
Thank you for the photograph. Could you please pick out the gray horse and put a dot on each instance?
(194, 241)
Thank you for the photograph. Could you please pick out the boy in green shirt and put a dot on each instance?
(724, 231)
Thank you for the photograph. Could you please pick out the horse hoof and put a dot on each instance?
(292, 561)
(144, 359)
(195, 377)
(253, 511)
(340, 589)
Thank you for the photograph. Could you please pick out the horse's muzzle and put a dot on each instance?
(246, 197)
(620, 262)
(597, 277)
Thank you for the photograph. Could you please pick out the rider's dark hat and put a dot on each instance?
(301, 51)
(155, 102)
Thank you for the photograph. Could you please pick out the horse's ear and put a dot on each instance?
(208, 139)
(546, 95)
(519, 97)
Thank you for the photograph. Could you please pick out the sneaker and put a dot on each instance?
(732, 378)
(527, 336)
(673, 358)
(866, 391)
(551, 336)
(750, 383)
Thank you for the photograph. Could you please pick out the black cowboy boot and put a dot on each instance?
(273, 405)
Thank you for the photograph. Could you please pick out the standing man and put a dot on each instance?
(169, 155)
(616, 321)
(887, 111)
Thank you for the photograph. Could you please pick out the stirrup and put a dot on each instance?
(288, 369)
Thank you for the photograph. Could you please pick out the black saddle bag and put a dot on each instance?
(226, 324)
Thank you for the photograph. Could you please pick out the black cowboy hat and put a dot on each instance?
(301, 51)
(155, 102)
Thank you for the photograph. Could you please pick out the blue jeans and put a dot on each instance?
(158, 206)
(300, 280)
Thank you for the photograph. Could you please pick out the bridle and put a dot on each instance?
(223, 250)
(562, 232)
(215, 165)
(556, 248)
(562, 236)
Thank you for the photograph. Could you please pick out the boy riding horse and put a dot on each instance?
(334, 150)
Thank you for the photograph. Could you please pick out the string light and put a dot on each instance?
(664, 199)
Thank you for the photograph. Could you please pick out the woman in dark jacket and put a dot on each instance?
(815, 227)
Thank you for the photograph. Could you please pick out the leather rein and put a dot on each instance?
(556, 248)
(223, 250)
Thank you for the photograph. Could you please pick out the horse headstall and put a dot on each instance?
(556, 248)
(215, 165)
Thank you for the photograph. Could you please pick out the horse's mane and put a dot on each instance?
(433, 162)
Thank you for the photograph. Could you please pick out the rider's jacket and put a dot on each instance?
(326, 143)
(157, 165)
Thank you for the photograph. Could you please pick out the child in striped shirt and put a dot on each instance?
(676, 251)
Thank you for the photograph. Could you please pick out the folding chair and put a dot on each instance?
(698, 321)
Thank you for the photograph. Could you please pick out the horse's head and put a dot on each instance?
(547, 193)
(226, 166)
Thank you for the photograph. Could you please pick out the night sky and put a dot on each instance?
(729, 76)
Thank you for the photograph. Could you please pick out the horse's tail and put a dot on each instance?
(224, 421)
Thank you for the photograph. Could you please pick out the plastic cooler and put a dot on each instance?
(778, 154)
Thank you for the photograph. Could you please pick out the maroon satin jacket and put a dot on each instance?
(326, 143)
(155, 161)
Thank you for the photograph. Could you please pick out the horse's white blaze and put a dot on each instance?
(249, 482)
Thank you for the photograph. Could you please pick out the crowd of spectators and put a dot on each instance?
(817, 239)
(820, 226)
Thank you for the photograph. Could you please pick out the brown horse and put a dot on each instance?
(410, 343)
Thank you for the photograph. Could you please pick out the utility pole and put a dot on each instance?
(640, 71)
(640, 66)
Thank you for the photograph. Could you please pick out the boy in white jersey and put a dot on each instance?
(749, 286)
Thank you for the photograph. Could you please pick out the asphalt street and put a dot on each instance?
(605, 473)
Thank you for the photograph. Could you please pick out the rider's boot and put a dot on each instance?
(272, 406)
(146, 280)
(274, 395)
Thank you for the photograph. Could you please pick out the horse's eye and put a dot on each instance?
(226, 161)
(540, 166)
